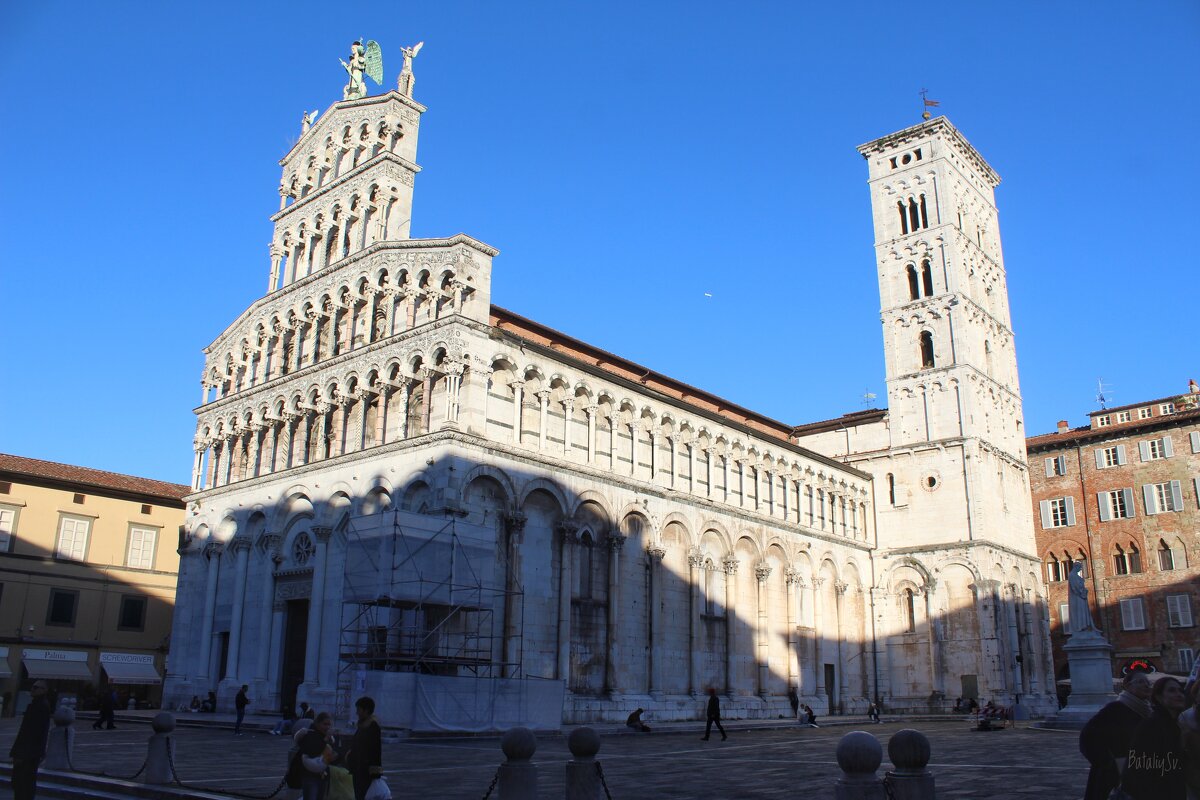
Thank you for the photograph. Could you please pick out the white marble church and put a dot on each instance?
(404, 490)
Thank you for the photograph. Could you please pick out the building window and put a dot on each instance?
(73, 538)
(1166, 408)
(910, 611)
(1124, 416)
(1144, 413)
(133, 613)
(1115, 504)
(78, 499)
(1133, 616)
(914, 288)
(1113, 456)
(927, 277)
(1104, 421)
(1162, 497)
(1156, 449)
(1064, 618)
(61, 612)
(140, 554)
(891, 482)
(1056, 466)
(8, 526)
(1179, 611)
(1053, 570)
(1166, 559)
(926, 350)
(1058, 513)
(1187, 659)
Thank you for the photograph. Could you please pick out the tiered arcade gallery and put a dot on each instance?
(403, 489)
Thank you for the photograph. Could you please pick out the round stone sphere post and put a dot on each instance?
(583, 782)
(859, 754)
(518, 773)
(160, 751)
(61, 742)
(909, 752)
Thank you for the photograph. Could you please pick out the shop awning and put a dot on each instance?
(5, 672)
(58, 670)
(131, 672)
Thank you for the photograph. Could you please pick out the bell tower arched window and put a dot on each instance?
(926, 350)
(914, 289)
(910, 611)
(927, 277)
(903, 216)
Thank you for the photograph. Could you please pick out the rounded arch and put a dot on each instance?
(496, 474)
(549, 487)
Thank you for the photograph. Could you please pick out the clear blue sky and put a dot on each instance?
(625, 158)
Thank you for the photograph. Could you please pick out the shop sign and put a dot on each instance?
(54, 655)
(126, 658)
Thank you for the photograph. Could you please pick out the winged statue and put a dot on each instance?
(364, 60)
(407, 80)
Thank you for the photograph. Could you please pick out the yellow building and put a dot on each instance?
(88, 567)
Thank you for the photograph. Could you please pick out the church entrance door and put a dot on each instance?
(830, 685)
(295, 639)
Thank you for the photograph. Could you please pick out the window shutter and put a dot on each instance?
(1130, 511)
(1195, 437)
(1147, 497)
(1071, 510)
(1196, 489)
(1139, 613)
(7, 515)
(1168, 447)
(1176, 496)
(1049, 467)
(1099, 458)
(1121, 459)
(1061, 465)
(1144, 449)
(1045, 506)
(1126, 615)
(1102, 504)
(1185, 611)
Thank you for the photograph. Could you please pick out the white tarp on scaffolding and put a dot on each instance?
(462, 704)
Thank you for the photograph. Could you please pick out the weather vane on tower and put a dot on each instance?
(927, 104)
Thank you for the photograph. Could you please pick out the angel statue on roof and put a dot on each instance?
(366, 60)
(407, 80)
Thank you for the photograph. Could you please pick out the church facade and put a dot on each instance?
(400, 488)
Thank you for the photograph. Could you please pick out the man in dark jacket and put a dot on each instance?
(239, 703)
(714, 716)
(108, 709)
(29, 748)
(1105, 738)
(365, 759)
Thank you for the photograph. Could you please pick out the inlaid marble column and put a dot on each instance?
(657, 640)
(691, 446)
(312, 645)
(731, 566)
(518, 390)
(839, 594)
(613, 423)
(591, 412)
(612, 677)
(762, 573)
(388, 299)
(240, 545)
(674, 466)
(454, 373)
(725, 470)
(792, 582)
(427, 377)
(634, 427)
(543, 417)
(257, 437)
(652, 435)
(284, 458)
(695, 558)
(404, 393)
(568, 533)
(568, 410)
(276, 252)
(708, 472)
(268, 549)
(381, 404)
(212, 552)
(197, 465)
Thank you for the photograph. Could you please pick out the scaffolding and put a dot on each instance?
(430, 596)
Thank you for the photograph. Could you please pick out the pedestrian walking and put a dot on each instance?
(239, 703)
(1104, 740)
(365, 759)
(873, 713)
(713, 716)
(29, 748)
(108, 709)
(794, 702)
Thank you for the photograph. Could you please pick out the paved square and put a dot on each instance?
(753, 763)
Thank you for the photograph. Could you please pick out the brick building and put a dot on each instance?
(1121, 495)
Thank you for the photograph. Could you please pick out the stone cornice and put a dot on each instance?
(345, 179)
(950, 547)
(928, 129)
(322, 122)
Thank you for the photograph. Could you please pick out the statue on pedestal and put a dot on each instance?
(1079, 612)
(407, 79)
(366, 60)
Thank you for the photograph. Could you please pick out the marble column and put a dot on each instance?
(762, 573)
(657, 641)
(454, 373)
(212, 552)
(197, 463)
(591, 412)
(312, 649)
(819, 633)
(792, 582)
(612, 678)
(568, 410)
(695, 558)
(839, 590)
(880, 601)
(731, 566)
(935, 646)
(568, 532)
(514, 527)
(634, 427)
(543, 417)
(241, 555)
(268, 548)
(518, 389)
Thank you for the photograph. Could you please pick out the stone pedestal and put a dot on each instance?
(1090, 657)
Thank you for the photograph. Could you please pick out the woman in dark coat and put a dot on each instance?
(1104, 740)
(1155, 767)
(365, 759)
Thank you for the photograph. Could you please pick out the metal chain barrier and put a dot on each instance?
(492, 786)
(102, 774)
(889, 790)
(195, 788)
(603, 783)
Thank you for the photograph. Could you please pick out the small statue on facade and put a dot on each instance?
(407, 79)
(1078, 610)
(309, 118)
(364, 60)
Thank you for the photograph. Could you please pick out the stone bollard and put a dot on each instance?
(583, 782)
(859, 754)
(61, 742)
(518, 774)
(160, 751)
(909, 752)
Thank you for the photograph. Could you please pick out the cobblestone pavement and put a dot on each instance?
(752, 764)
